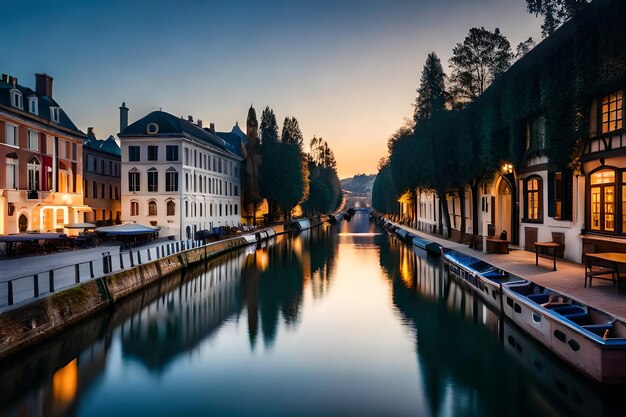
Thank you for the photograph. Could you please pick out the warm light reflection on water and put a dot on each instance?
(341, 320)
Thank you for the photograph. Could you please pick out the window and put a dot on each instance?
(61, 149)
(133, 181)
(153, 153)
(171, 208)
(102, 188)
(86, 189)
(17, 99)
(602, 201)
(11, 173)
(32, 105)
(133, 153)
(33, 140)
(12, 135)
(171, 180)
(134, 208)
(34, 172)
(54, 114)
(152, 208)
(186, 156)
(612, 112)
(110, 192)
(236, 208)
(94, 190)
(236, 192)
(171, 152)
(74, 152)
(117, 193)
(153, 180)
(102, 167)
(533, 189)
(558, 195)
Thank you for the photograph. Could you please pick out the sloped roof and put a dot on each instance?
(44, 104)
(170, 125)
(236, 138)
(108, 145)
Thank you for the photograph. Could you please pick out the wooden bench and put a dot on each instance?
(498, 246)
(547, 245)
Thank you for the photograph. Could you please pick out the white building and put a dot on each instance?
(178, 176)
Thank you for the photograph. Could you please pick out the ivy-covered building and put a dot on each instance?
(542, 152)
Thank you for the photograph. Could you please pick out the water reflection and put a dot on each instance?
(462, 370)
(169, 320)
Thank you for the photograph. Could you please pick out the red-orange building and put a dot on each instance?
(41, 164)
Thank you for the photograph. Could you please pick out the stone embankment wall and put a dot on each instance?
(31, 323)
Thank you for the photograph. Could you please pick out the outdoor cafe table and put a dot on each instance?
(549, 245)
(614, 259)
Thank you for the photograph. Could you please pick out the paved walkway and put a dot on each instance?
(568, 279)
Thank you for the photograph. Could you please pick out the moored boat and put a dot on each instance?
(485, 278)
(591, 340)
(430, 247)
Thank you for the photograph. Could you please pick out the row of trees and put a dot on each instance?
(461, 133)
(289, 177)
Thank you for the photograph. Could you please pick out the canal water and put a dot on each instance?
(337, 321)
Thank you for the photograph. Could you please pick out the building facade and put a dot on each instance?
(178, 176)
(41, 166)
(102, 173)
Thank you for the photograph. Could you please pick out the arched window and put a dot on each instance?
(533, 199)
(134, 208)
(602, 200)
(34, 173)
(152, 208)
(171, 208)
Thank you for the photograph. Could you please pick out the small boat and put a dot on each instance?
(430, 247)
(485, 278)
(591, 340)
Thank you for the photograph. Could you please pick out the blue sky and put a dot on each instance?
(347, 70)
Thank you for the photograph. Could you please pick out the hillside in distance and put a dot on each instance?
(359, 184)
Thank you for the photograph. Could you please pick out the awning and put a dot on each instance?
(127, 229)
(82, 208)
(80, 226)
(31, 236)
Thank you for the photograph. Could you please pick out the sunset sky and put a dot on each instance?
(347, 70)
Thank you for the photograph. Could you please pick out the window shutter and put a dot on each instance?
(568, 195)
(551, 205)
(541, 208)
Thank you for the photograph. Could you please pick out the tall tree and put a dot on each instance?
(477, 62)
(431, 94)
(523, 48)
(270, 171)
(291, 132)
(269, 126)
(554, 12)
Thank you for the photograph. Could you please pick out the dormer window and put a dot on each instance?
(54, 114)
(32, 105)
(17, 100)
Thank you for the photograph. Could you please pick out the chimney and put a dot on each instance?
(12, 80)
(190, 119)
(199, 123)
(123, 116)
(212, 127)
(5, 78)
(43, 85)
(90, 132)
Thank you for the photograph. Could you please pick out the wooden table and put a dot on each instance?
(501, 246)
(549, 245)
(609, 263)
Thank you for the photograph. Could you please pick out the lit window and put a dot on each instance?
(602, 201)
(533, 190)
(611, 112)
